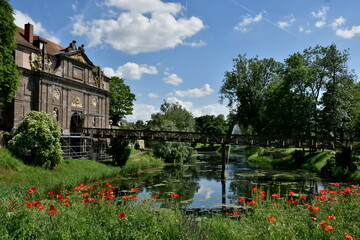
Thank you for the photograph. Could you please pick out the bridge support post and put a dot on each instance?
(223, 179)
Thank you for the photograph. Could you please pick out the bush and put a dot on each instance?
(299, 157)
(36, 140)
(119, 150)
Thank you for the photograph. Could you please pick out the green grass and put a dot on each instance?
(317, 161)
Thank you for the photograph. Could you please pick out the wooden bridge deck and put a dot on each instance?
(194, 137)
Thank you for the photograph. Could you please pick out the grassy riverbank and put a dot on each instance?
(16, 177)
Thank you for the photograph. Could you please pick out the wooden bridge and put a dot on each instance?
(214, 138)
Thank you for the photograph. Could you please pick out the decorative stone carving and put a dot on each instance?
(36, 61)
(76, 102)
(78, 57)
(56, 94)
(94, 102)
(99, 78)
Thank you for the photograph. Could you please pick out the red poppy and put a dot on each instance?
(155, 197)
(292, 193)
(86, 201)
(36, 203)
(85, 194)
(303, 197)
(101, 193)
(122, 215)
(31, 190)
(52, 207)
(110, 191)
(134, 197)
(236, 213)
(110, 197)
(92, 199)
(348, 237)
(316, 210)
(336, 184)
(329, 228)
(276, 205)
(78, 188)
(262, 194)
(322, 223)
(242, 200)
(175, 195)
(134, 189)
(108, 184)
(271, 219)
(254, 201)
(335, 192)
(331, 217)
(41, 207)
(29, 205)
(254, 189)
(52, 212)
(50, 193)
(125, 197)
(313, 219)
(90, 188)
(276, 195)
(82, 185)
(354, 187)
(67, 204)
(227, 213)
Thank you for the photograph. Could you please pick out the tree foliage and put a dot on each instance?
(211, 124)
(311, 94)
(36, 140)
(119, 150)
(121, 99)
(172, 117)
(9, 73)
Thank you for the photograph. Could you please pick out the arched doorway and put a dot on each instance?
(76, 142)
(76, 123)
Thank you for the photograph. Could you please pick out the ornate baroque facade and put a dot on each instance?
(61, 81)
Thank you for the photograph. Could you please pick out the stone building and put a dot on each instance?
(61, 81)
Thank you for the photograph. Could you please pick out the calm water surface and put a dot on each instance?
(200, 184)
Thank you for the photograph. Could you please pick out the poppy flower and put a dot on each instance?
(175, 195)
(254, 189)
(322, 223)
(348, 237)
(155, 197)
(275, 195)
(271, 219)
(122, 215)
(292, 193)
(242, 200)
(52, 207)
(41, 207)
(110, 197)
(29, 205)
(36, 203)
(67, 204)
(254, 201)
(236, 213)
(82, 185)
(276, 205)
(262, 194)
(50, 193)
(303, 197)
(313, 219)
(92, 199)
(125, 197)
(78, 188)
(316, 210)
(134, 197)
(336, 184)
(329, 228)
(31, 190)
(52, 212)
(354, 187)
(85, 194)
(227, 213)
(90, 188)
(331, 217)
(86, 201)
(108, 184)
(134, 189)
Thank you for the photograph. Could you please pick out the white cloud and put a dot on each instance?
(348, 33)
(142, 112)
(172, 79)
(321, 15)
(153, 95)
(288, 22)
(195, 44)
(187, 105)
(134, 32)
(304, 30)
(131, 71)
(212, 109)
(22, 18)
(74, 5)
(248, 20)
(195, 93)
(338, 22)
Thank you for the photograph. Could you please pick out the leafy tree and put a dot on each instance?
(9, 73)
(211, 124)
(121, 99)
(246, 87)
(37, 140)
(172, 117)
(354, 125)
(119, 150)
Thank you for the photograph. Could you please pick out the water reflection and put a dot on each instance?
(207, 184)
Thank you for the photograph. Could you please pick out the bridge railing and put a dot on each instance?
(275, 141)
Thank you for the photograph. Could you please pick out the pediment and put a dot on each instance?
(80, 56)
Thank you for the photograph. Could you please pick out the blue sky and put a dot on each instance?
(179, 50)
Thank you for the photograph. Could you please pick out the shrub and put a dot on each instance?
(36, 140)
(119, 150)
(299, 157)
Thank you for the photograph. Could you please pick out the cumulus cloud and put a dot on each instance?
(287, 22)
(187, 105)
(153, 95)
(22, 18)
(131, 71)
(172, 79)
(194, 93)
(141, 26)
(142, 112)
(321, 15)
(247, 21)
(212, 109)
(304, 30)
(348, 33)
(338, 22)
(195, 44)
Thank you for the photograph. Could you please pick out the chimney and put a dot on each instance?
(29, 32)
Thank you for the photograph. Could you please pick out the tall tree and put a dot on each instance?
(211, 124)
(172, 117)
(9, 72)
(245, 87)
(121, 99)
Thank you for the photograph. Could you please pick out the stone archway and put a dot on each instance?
(76, 123)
